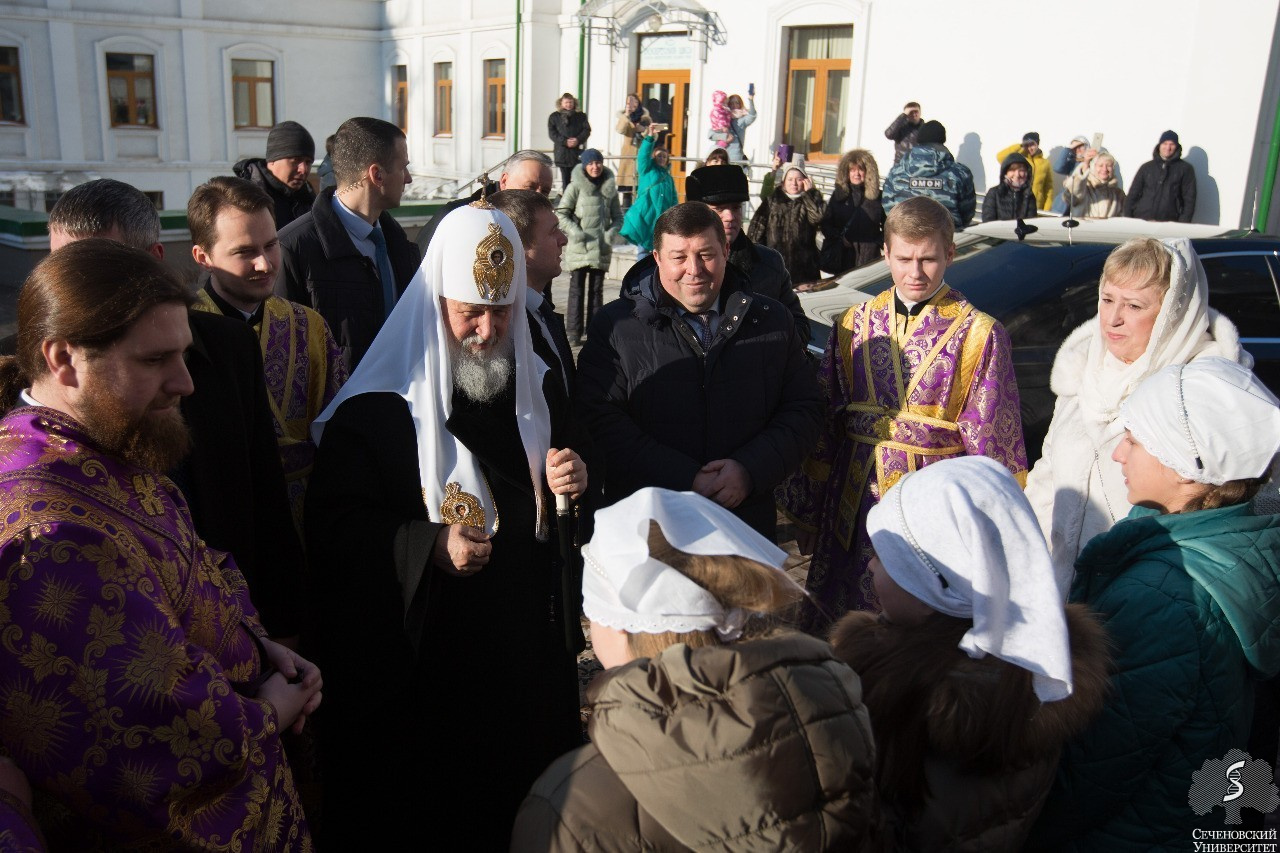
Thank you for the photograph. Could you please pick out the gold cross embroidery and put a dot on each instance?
(145, 486)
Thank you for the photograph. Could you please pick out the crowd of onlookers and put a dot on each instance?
(817, 235)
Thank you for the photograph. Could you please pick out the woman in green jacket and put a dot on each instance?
(590, 216)
(654, 194)
(1188, 588)
(711, 729)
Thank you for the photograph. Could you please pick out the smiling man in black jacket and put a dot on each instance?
(691, 382)
(724, 189)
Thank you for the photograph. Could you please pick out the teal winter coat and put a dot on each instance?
(655, 193)
(590, 216)
(1191, 602)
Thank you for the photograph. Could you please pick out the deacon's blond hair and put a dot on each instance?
(917, 219)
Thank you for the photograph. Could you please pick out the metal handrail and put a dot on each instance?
(822, 174)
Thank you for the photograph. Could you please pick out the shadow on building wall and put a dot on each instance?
(1208, 203)
(970, 153)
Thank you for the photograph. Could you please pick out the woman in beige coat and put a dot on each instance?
(1092, 191)
(633, 120)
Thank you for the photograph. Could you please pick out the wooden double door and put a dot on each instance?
(665, 94)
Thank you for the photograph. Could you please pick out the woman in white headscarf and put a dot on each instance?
(973, 674)
(1153, 311)
(1188, 587)
(710, 729)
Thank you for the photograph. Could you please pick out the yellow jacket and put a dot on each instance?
(1041, 177)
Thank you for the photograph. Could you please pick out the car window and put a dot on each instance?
(1241, 286)
(1048, 321)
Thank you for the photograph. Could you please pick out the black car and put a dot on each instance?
(1044, 287)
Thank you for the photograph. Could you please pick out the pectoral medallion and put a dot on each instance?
(459, 507)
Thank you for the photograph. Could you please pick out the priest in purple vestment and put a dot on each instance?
(913, 376)
(142, 697)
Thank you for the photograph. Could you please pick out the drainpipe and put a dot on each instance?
(1269, 178)
(515, 135)
(582, 57)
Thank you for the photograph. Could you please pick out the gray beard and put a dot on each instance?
(482, 376)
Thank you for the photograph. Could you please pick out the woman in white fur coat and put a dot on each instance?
(1153, 311)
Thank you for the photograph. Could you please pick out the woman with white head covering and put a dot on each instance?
(1153, 311)
(1188, 587)
(710, 729)
(973, 674)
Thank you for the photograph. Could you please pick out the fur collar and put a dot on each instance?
(927, 698)
(1068, 373)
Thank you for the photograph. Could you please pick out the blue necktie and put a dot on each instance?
(702, 326)
(384, 270)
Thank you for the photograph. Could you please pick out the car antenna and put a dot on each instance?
(1070, 222)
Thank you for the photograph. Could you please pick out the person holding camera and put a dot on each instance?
(655, 192)
(904, 130)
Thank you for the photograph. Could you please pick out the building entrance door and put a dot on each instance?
(665, 94)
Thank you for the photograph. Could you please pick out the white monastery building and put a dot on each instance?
(167, 93)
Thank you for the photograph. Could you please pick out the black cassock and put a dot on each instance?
(436, 720)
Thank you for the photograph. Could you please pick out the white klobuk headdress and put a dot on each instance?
(475, 257)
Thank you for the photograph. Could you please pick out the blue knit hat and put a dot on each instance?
(1169, 136)
(591, 155)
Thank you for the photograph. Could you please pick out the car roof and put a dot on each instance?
(1113, 231)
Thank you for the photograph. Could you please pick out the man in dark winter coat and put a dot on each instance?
(692, 382)
(904, 130)
(1012, 197)
(283, 172)
(568, 129)
(724, 189)
(1164, 190)
(930, 170)
(348, 258)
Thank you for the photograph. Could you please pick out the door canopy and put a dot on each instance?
(613, 21)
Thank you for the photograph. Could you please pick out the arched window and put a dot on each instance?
(495, 98)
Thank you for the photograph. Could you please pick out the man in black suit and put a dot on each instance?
(232, 477)
(348, 258)
(539, 228)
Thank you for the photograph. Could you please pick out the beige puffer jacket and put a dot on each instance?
(759, 745)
